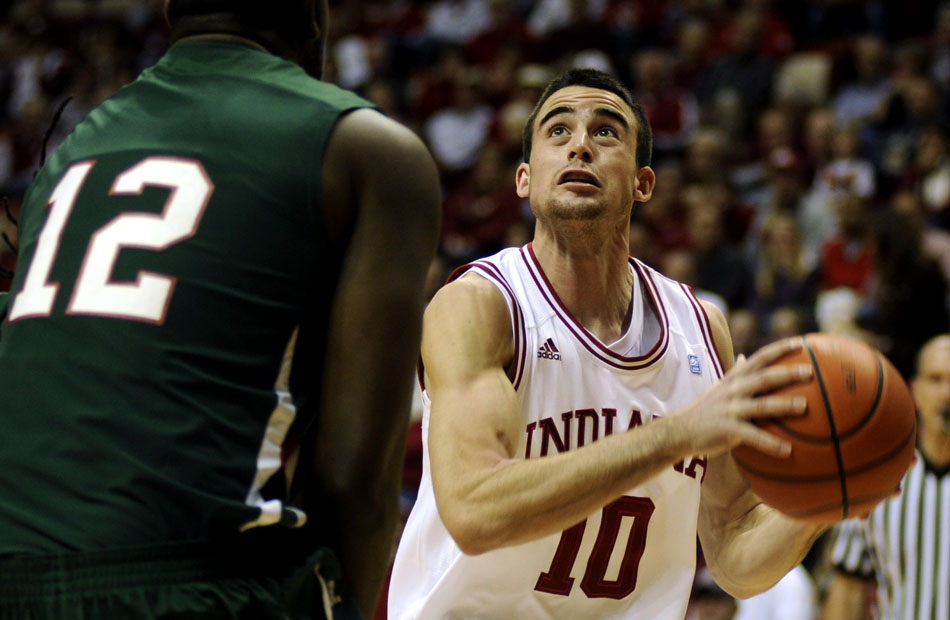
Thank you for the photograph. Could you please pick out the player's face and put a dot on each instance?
(931, 388)
(583, 157)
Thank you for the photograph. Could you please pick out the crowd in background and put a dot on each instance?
(802, 148)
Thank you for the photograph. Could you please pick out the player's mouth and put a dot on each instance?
(578, 176)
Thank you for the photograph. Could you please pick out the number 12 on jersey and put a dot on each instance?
(558, 580)
(95, 293)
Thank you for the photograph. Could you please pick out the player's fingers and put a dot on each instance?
(764, 441)
(775, 351)
(774, 378)
(768, 379)
(773, 406)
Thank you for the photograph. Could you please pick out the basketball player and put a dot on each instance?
(168, 250)
(904, 544)
(577, 420)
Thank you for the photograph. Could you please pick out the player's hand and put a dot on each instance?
(722, 417)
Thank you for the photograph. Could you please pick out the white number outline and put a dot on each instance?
(94, 293)
(38, 294)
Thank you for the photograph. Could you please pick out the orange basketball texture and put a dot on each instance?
(852, 446)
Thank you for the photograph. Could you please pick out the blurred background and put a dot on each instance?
(801, 146)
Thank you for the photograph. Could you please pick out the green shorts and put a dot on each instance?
(187, 581)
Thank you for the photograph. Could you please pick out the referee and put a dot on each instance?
(904, 544)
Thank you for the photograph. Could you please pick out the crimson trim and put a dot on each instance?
(705, 327)
(590, 342)
(515, 370)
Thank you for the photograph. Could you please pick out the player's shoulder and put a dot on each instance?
(468, 291)
(484, 279)
(367, 133)
(470, 302)
(468, 317)
(373, 156)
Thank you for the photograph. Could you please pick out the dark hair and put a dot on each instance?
(290, 20)
(593, 78)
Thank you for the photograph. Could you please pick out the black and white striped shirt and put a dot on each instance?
(905, 543)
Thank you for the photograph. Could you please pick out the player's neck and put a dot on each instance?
(594, 282)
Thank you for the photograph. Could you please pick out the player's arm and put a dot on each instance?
(846, 598)
(490, 496)
(748, 546)
(380, 183)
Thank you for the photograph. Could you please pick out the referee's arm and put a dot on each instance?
(850, 588)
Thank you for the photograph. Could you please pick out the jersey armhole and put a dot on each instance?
(705, 326)
(515, 369)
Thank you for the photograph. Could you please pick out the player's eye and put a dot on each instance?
(607, 131)
(557, 130)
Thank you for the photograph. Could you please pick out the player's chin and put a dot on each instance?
(578, 210)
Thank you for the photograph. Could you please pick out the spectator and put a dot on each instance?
(457, 133)
(664, 214)
(478, 213)
(746, 71)
(910, 111)
(846, 173)
(680, 265)
(746, 331)
(691, 55)
(672, 111)
(782, 195)
(785, 274)
(720, 266)
(458, 21)
(506, 31)
(939, 68)
(706, 154)
(908, 293)
(846, 258)
(936, 240)
(928, 174)
(817, 131)
(774, 134)
(861, 99)
(785, 322)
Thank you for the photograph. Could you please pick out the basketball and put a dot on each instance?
(853, 444)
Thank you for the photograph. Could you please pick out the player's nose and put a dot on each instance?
(580, 147)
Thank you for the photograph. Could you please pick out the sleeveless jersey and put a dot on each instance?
(169, 248)
(635, 558)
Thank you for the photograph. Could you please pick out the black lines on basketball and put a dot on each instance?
(829, 413)
(852, 445)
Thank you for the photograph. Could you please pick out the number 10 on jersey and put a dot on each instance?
(558, 580)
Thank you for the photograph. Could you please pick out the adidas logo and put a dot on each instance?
(549, 351)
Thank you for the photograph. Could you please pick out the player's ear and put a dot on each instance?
(646, 180)
(522, 179)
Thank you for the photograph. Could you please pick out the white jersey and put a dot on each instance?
(635, 558)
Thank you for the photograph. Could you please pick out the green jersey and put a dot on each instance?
(168, 249)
